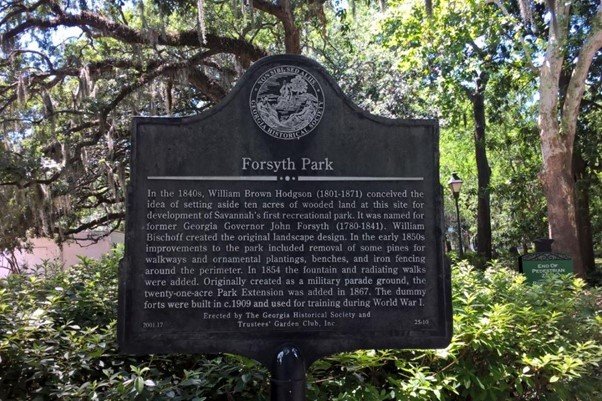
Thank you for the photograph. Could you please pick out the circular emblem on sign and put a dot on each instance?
(287, 102)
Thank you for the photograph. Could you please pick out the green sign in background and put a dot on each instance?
(538, 270)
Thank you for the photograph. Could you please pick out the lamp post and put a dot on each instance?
(455, 183)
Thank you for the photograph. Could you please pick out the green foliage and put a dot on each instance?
(449, 52)
(352, 51)
(513, 341)
(58, 341)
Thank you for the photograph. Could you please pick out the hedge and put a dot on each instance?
(512, 341)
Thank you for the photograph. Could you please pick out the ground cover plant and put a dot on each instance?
(512, 341)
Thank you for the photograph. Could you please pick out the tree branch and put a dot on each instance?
(576, 87)
(126, 34)
(268, 7)
(284, 13)
(151, 75)
(524, 45)
(25, 184)
(95, 223)
(20, 9)
(209, 87)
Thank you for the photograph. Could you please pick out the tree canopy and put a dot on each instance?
(74, 73)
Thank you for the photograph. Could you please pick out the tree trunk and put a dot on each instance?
(428, 5)
(483, 170)
(383, 5)
(559, 189)
(584, 223)
(284, 11)
(292, 35)
(292, 39)
(556, 149)
(558, 135)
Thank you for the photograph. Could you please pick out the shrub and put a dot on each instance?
(513, 341)
(58, 341)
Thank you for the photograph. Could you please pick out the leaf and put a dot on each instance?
(139, 384)
(37, 313)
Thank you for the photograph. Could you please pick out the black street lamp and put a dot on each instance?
(455, 183)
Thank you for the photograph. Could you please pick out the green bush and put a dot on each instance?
(513, 341)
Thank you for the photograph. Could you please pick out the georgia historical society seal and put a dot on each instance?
(287, 102)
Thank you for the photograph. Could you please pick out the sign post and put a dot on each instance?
(284, 224)
(288, 375)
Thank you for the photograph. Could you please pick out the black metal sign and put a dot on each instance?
(284, 215)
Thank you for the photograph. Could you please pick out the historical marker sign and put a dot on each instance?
(285, 215)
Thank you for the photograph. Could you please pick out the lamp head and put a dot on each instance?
(455, 183)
